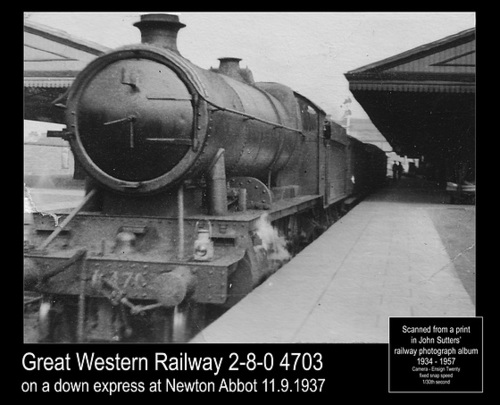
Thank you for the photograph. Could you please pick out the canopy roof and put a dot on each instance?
(52, 59)
(423, 100)
(447, 65)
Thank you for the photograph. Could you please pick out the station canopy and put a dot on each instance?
(423, 100)
(52, 59)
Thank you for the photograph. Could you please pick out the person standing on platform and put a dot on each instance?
(394, 171)
(400, 170)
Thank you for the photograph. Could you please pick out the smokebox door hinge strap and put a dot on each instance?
(130, 119)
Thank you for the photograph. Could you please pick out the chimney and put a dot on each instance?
(231, 67)
(160, 30)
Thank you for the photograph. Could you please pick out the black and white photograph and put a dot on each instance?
(220, 177)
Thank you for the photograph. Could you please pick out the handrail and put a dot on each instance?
(252, 117)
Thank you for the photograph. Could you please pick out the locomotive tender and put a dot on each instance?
(195, 178)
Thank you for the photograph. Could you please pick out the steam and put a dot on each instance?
(273, 243)
(30, 208)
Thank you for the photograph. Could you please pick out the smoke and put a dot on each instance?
(273, 243)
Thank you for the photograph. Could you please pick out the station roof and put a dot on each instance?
(422, 98)
(52, 59)
(447, 65)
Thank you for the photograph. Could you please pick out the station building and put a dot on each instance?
(423, 103)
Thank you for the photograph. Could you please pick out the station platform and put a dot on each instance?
(403, 251)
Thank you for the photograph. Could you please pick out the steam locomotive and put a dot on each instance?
(200, 184)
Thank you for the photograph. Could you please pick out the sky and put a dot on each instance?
(307, 51)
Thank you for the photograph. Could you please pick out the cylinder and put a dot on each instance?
(34, 274)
